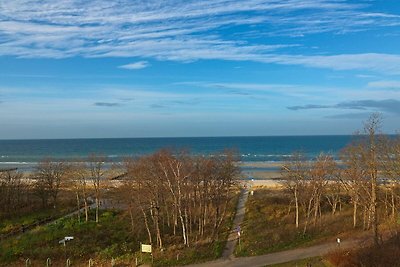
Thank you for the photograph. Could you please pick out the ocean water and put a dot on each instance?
(26, 153)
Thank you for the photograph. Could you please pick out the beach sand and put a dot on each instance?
(262, 174)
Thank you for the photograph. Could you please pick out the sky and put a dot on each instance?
(129, 68)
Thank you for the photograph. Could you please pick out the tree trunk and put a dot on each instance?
(131, 216)
(354, 213)
(297, 208)
(78, 206)
(374, 214)
(393, 206)
(97, 209)
(146, 223)
(86, 209)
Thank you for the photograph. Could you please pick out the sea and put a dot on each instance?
(25, 154)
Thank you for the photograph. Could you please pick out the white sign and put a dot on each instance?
(338, 240)
(146, 248)
(67, 238)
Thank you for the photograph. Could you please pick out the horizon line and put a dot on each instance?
(184, 137)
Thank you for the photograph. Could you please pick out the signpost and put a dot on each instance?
(338, 242)
(146, 249)
(64, 242)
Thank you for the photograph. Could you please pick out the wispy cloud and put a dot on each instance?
(135, 66)
(188, 30)
(107, 104)
(393, 85)
(244, 86)
(350, 116)
(310, 106)
(188, 102)
(259, 90)
(365, 76)
(388, 105)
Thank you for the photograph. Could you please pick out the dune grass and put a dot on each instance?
(269, 227)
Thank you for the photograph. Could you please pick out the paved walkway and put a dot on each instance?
(237, 221)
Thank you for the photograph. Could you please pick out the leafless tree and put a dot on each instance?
(79, 176)
(390, 162)
(12, 192)
(181, 193)
(294, 175)
(362, 165)
(49, 175)
(98, 171)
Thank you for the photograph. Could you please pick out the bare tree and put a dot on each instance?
(294, 173)
(98, 171)
(12, 190)
(323, 170)
(79, 177)
(362, 164)
(49, 175)
(391, 169)
(182, 194)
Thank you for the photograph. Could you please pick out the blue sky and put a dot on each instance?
(126, 68)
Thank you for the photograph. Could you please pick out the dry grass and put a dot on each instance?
(269, 226)
(386, 255)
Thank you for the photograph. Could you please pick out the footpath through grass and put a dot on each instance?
(25, 220)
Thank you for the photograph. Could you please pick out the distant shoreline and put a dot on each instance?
(178, 137)
(256, 170)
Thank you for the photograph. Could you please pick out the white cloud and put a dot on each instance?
(187, 30)
(135, 66)
(386, 63)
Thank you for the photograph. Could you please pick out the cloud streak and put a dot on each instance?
(388, 105)
(188, 30)
(135, 66)
(107, 104)
(391, 85)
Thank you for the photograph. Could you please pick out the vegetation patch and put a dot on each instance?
(269, 225)
(313, 262)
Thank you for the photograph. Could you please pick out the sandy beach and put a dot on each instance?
(262, 174)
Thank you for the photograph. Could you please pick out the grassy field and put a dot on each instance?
(386, 254)
(35, 212)
(112, 237)
(16, 222)
(107, 239)
(269, 227)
